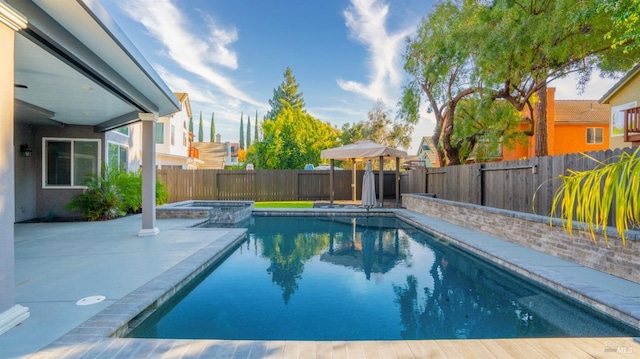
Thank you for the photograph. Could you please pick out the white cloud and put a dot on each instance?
(366, 21)
(195, 54)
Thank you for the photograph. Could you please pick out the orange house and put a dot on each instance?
(572, 126)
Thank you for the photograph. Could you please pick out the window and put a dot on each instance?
(117, 156)
(184, 139)
(159, 132)
(173, 135)
(69, 162)
(617, 118)
(123, 130)
(594, 135)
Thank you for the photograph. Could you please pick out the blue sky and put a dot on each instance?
(229, 55)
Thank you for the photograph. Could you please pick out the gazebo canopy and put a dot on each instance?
(362, 150)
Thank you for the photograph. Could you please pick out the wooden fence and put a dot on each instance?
(524, 185)
(265, 185)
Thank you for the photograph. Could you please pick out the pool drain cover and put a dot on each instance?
(94, 299)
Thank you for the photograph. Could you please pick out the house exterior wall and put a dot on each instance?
(628, 93)
(52, 201)
(7, 181)
(133, 142)
(573, 138)
(26, 169)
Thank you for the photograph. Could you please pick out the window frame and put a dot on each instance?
(159, 133)
(121, 130)
(617, 118)
(72, 140)
(120, 146)
(594, 129)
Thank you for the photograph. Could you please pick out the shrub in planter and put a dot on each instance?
(113, 194)
(101, 200)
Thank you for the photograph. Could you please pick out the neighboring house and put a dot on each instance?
(174, 147)
(211, 154)
(427, 155)
(67, 78)
(232, 153)
(572, 126)
(624, 99)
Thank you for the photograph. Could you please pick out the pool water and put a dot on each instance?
(362, 278)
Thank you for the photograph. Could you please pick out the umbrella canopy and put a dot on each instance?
(362, 150)
(368, 187)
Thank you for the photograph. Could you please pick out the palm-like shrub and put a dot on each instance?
(113, 194)
(101, 200)
(591, 196)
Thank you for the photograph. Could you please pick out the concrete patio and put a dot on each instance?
(58, 264)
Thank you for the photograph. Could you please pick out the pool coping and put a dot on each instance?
(114, 321)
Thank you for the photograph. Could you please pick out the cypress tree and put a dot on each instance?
(190, 124)
(213, 129)
(248, 132)
(241, 132)
(255, 130)
(200, 129)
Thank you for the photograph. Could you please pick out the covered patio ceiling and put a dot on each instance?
(73, 65)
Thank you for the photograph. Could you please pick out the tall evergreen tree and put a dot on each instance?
(200, 129)
(213, 129)
(248, 132)
(191, 124)
(241, 132)
(255, 129)
(285, 95)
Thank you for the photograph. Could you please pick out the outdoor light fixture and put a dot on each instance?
(24, 149)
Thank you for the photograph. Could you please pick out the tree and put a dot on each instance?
(241, 132)
(626, 20)
(249, 131)
(255, 131)
(286, 94)
(291, 140)
(200, 129)
(190, 124)
(502, 50)
(212, 137)
(379, 128)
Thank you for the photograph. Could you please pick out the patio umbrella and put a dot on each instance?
(368, 188)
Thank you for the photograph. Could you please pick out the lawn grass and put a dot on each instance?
(284, 204)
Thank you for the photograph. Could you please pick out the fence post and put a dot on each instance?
(482, 194)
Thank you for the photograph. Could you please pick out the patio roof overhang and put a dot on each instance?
(75, 66)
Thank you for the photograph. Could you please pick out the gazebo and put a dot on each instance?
(363, 150)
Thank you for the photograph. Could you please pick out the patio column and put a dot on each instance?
(381, 180)
(148, 175)
(11, 314)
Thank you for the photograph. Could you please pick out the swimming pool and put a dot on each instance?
(362, 278)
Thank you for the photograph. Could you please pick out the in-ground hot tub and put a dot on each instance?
(223, 212)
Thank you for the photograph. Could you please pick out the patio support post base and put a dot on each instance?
(146, 232)
(12, 317)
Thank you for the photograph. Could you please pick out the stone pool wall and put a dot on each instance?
(534, 231)
(224, 212)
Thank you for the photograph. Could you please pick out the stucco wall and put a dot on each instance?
(630, 92)
(534, 232)
(7, 190)
(26, 169)
(52, 201)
